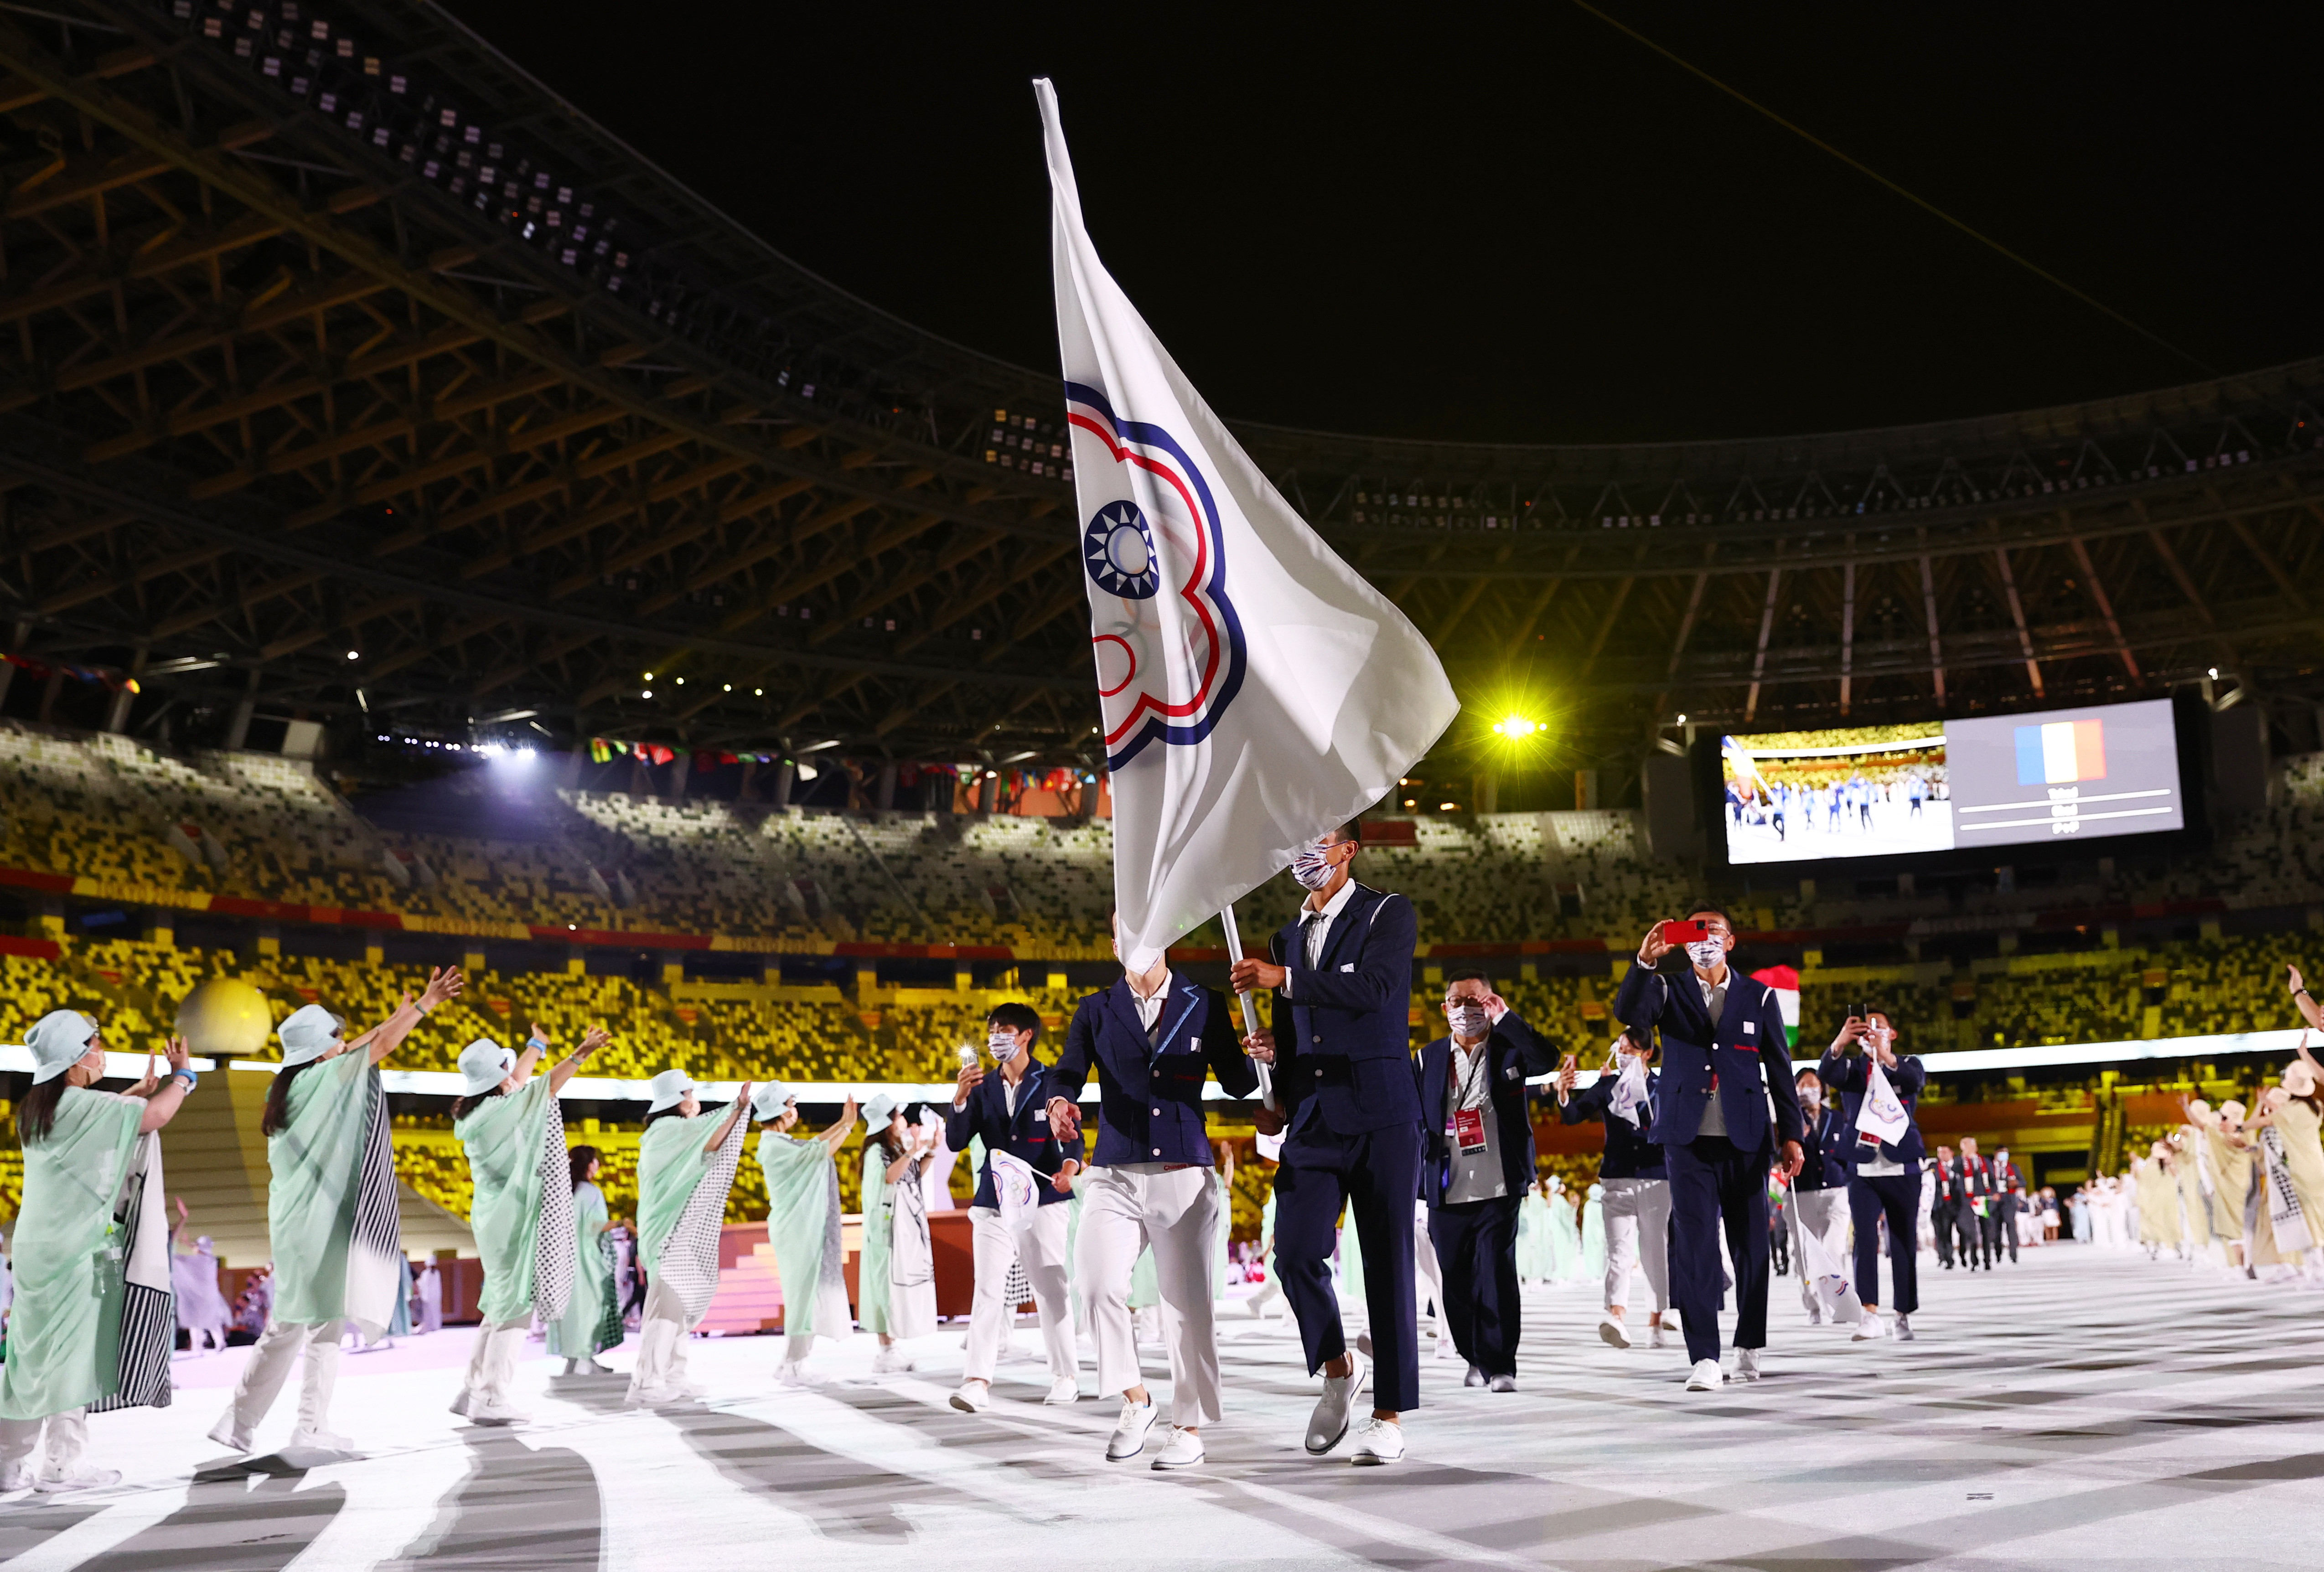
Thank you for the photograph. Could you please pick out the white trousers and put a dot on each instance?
(1428, 1273)
(1040, 1247)
(1175, 1214)
(492, 1362)
(68, 1439)
(661, 1340)
(269, 1366)
(1637, 1233)
(1824, 1214)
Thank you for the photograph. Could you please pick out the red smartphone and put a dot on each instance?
(1686, 933)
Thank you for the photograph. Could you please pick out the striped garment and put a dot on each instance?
(555, 1244)
(375, 1263)
(149, 1308)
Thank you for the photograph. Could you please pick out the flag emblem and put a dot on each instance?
(2061, 752)
(1168, 664)
(1120, 551)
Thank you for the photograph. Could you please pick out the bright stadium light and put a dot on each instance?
(648, 676)
(1516, 727)
(647, 694)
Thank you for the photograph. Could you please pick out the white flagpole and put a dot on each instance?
(1249, 1016)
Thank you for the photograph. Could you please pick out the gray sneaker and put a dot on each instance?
(1903, 1333)
(1328, 1425)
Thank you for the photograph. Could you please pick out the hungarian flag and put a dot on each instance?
(1786, 984)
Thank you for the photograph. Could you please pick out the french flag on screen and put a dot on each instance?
(2061, 752)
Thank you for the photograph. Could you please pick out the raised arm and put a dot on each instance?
(726, 1126)
(442, 983)
(162, 1104)
(1537, 1056)
(842, 1127)
(1592, 1104)
(565, 1068)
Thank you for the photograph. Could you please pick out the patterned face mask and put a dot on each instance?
(1469, 1021)
(1310, 865)
(1706, 952)
(1002, 1046)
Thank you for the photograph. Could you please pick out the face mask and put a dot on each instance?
(1310, 865)
(1706, 953)
(1002, 1045)
(1470, 1020)
(1811, 1096)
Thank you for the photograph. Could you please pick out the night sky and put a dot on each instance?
(1418, 221)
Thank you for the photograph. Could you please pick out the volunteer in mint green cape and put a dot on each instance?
(94, 1321)
(591, 1322)
(895, 1275)
(803, 1223)
(330, 1211)
(1593, 1234)
(685, 1165)
(522, 1215)
(1565, 1235)
(1536, 1255)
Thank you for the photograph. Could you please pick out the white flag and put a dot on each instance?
(1882, 1114)
(1256, 692)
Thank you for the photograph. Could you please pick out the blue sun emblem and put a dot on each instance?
(1118, 550)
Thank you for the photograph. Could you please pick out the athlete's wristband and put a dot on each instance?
(188, 1077)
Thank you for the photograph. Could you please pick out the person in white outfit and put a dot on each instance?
(1153, 1040)
(1008, 1113)
(1819, 1190)
(1637, 1186)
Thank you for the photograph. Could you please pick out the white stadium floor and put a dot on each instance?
(2078, 1411)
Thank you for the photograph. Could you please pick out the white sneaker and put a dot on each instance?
(1064, 1390)
(1747, 1364)
(81, 1477)
(1707, 1376)
(1128, 1438)
(668, 1395)
(1183, 1449)
(1378, 1441)
(890, 1361)
(321, 1442)
(1903, 1328)
(1328, 1425)
(487, 1413)
(1611, 1328)
(791, 1373)
(1815, 1314)
(1657, 1338)
(460, 1404)
(15, 1477)
(1868, 1328)
(973, 1397)
(1447, 1349)
(225, 1435)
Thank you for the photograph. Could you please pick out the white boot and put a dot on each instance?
(650, 1378)
(316, 1383)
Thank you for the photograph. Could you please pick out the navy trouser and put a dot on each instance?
(1376, 1174)
(1477, 1247)
(1714, 1183)
(1898, 1195)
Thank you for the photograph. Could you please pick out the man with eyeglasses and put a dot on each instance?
(1728, 1105)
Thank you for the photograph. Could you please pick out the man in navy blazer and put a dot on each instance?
(1727, 1100)
(1884, 1176)
(1007, 1110)
(1342, 972)
(1152, 1040)
(1477, 1166)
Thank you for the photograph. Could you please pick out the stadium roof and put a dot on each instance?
(347, 357)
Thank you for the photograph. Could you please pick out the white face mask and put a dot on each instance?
(1811, 1096)
(1310, 865)
(1707, 953)
(1002, 1046)
(1469, 1020)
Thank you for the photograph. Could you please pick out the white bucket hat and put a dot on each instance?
(669, 1088)
(767, 1102)
(57, 1040)
(878, 1110)
(483, 1065)
(307, 1034)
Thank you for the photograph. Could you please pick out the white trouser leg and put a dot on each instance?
(480, 1353)
(661, 1340)
(1182, 1226)
(1041, 1250)
(492, 1368)
(269, 1366)
(1653, 1204)
(1621, 1216)
(1824, 1214)
(1425, 1268)
(68, 1439)
(321, 1376)
(1105, 1252)
(797, 1346)
(19, 1439)
(994, 1250)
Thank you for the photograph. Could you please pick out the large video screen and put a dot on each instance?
(2001, 780)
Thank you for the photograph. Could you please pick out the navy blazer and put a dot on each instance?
(1025, 1133)
(1150, 1095)
(1848, 1074)
(1744, 1055)
(1342, 1030)
(1630, 1153)
(1516, 1054)
(1830, 1135)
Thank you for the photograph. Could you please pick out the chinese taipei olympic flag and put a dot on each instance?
(1256, 692)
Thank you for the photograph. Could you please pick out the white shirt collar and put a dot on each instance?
(1333, 907)
(1150, 1009)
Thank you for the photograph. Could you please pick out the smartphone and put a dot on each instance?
(1686, 932)
(967, 1057)
(1861, 1011)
